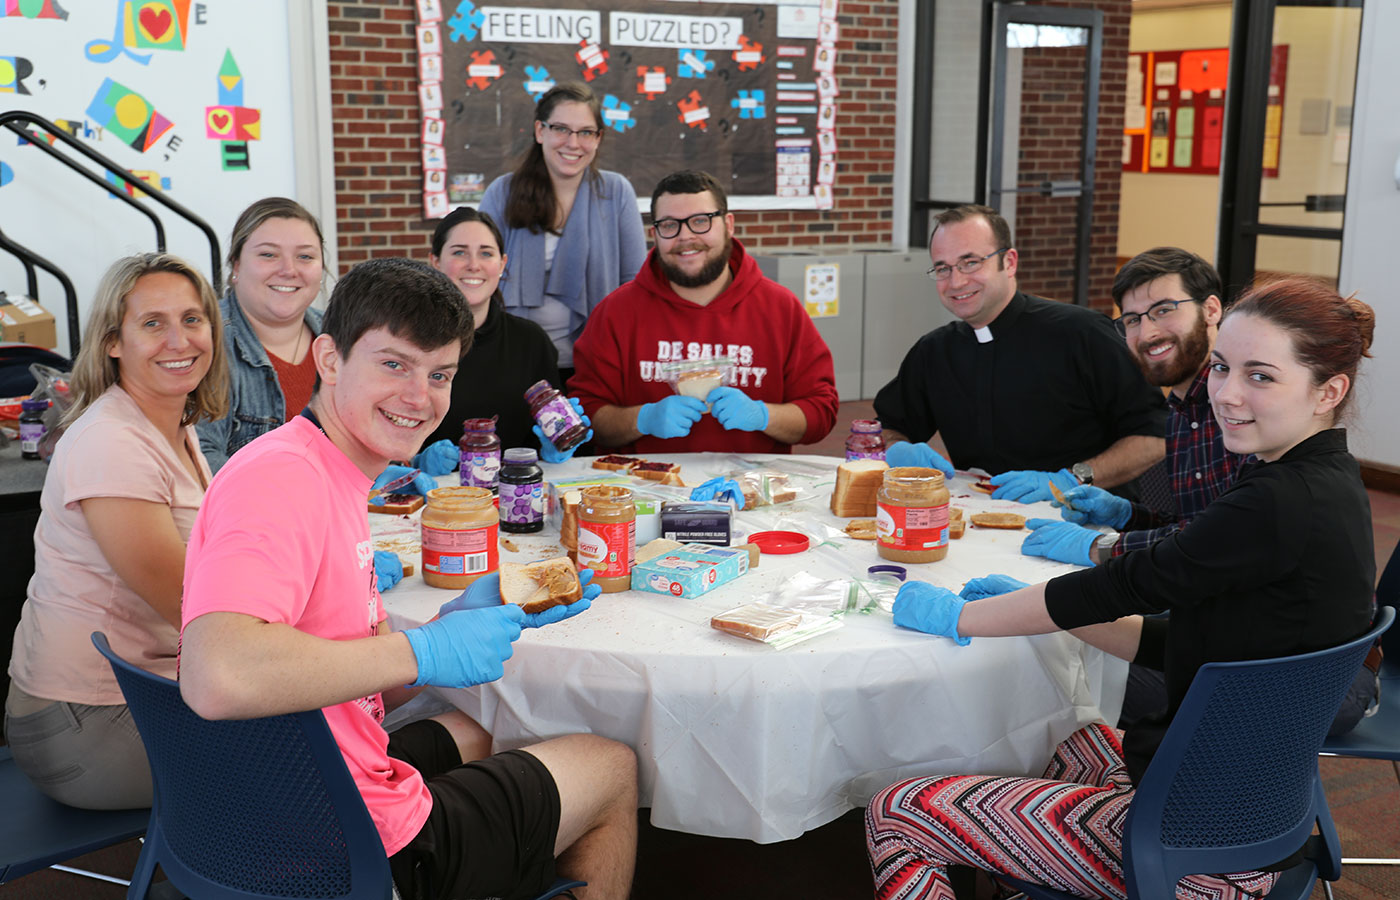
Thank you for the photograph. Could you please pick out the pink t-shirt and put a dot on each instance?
(284, 537)
(112, 450)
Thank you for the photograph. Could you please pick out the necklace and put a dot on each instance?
(296, 352)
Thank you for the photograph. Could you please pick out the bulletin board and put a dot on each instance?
(1175, 116)
(746, 91)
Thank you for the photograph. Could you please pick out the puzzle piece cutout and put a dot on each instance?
(483, 69)
(652, 81)
(749, 55)
(749, 104)
(593, 59)
(693, 112)
(617, 115)
(467, 22)
(537, 82)
(693, 64)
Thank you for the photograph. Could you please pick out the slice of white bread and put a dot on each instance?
(540, 585)
(857, 482)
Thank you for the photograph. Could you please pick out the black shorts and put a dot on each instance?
(492, 827)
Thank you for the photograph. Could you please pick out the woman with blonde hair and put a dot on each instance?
(118, 503)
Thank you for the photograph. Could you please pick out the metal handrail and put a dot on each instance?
(11, 121)
(32, 259)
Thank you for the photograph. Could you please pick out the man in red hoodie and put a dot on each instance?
(700, 297)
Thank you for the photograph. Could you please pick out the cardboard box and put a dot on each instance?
(26, 322)
(693, 522)
(690, 570)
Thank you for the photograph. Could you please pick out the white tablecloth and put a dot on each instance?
(735, 739)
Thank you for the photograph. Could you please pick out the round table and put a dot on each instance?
(736, 739)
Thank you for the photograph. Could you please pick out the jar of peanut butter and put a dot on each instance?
(459, 536)
(607, 535)
(911, 515)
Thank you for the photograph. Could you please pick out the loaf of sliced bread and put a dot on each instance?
(857, 482)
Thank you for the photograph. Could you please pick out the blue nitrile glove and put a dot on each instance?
(560, 613)
(388, 569)
(904, 453)
(736, 410)
(1095, 506)
(1061, 541)
(928, 608)
(421, 485)
(465, 647)
(438, 458)
(1028, 486)
(485, 591)
(990, 586)
(550, 453)
(671, 417)
(720, 489)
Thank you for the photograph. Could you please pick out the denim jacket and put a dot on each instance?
(256, 404)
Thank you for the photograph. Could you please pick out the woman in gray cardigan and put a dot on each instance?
(572, 231)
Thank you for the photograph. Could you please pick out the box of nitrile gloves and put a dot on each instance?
(697, 522)
(689, 570)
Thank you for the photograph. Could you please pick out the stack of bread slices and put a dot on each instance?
(857, 482)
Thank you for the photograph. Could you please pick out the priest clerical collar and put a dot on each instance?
(984, 334)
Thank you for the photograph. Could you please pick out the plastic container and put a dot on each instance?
(911, 515)
(866, 440)
(31, 427)
(607, 535)
(460, 528)
(556, 416)
(480, 454)
(521, 492)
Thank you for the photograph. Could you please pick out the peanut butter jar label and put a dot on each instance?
(468, 551)
(912, 527)
(608, 547)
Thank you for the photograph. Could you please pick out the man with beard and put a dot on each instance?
(700, 299)
(1032, 391)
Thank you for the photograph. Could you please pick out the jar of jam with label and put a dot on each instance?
(866, 440)
(607, 535)
(911, 515)
(31, 427)
(522, 492)
(480, 454)
(459, 536)
(556, 416)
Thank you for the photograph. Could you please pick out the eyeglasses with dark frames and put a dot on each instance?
(563, 131)
(699, 223)
(966, 265)
(1158, 311)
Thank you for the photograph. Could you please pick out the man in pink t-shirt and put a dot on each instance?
(281, 614)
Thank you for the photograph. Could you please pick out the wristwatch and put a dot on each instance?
(1102, 549)
(1083, 471)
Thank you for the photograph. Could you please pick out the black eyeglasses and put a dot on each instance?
(698, 224)
(967, 265)
(1158, 311)
(563, 131)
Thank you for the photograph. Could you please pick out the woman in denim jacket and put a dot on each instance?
(275, 261)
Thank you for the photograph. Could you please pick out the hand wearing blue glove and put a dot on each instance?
(420, 485)
(1061, 541)
(671, 417)
(388, 570)
(736, 410)
(465, 647)
(904, 453)
(990, 586)
(560, 613)
(1028, 486)
(550, 453)
(720, 489)
(928, 608)
(438, 458)
(1094, 506)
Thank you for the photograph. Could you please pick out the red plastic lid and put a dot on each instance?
(780, 541)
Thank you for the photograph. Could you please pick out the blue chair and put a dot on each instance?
(37, 832)
(1234, 785)
(250, 808)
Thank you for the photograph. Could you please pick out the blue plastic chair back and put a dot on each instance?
(1234, 785)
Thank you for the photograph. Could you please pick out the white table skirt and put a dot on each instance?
(735, 739)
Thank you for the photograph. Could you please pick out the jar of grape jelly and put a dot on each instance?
(866, 441)
(556, 416)
(522, 492)
(480, 452)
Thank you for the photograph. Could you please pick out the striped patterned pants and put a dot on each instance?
(1064, 830)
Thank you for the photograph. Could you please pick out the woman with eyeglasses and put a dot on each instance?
(572, 231)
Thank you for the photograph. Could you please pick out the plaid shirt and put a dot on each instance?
(1199, 469)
